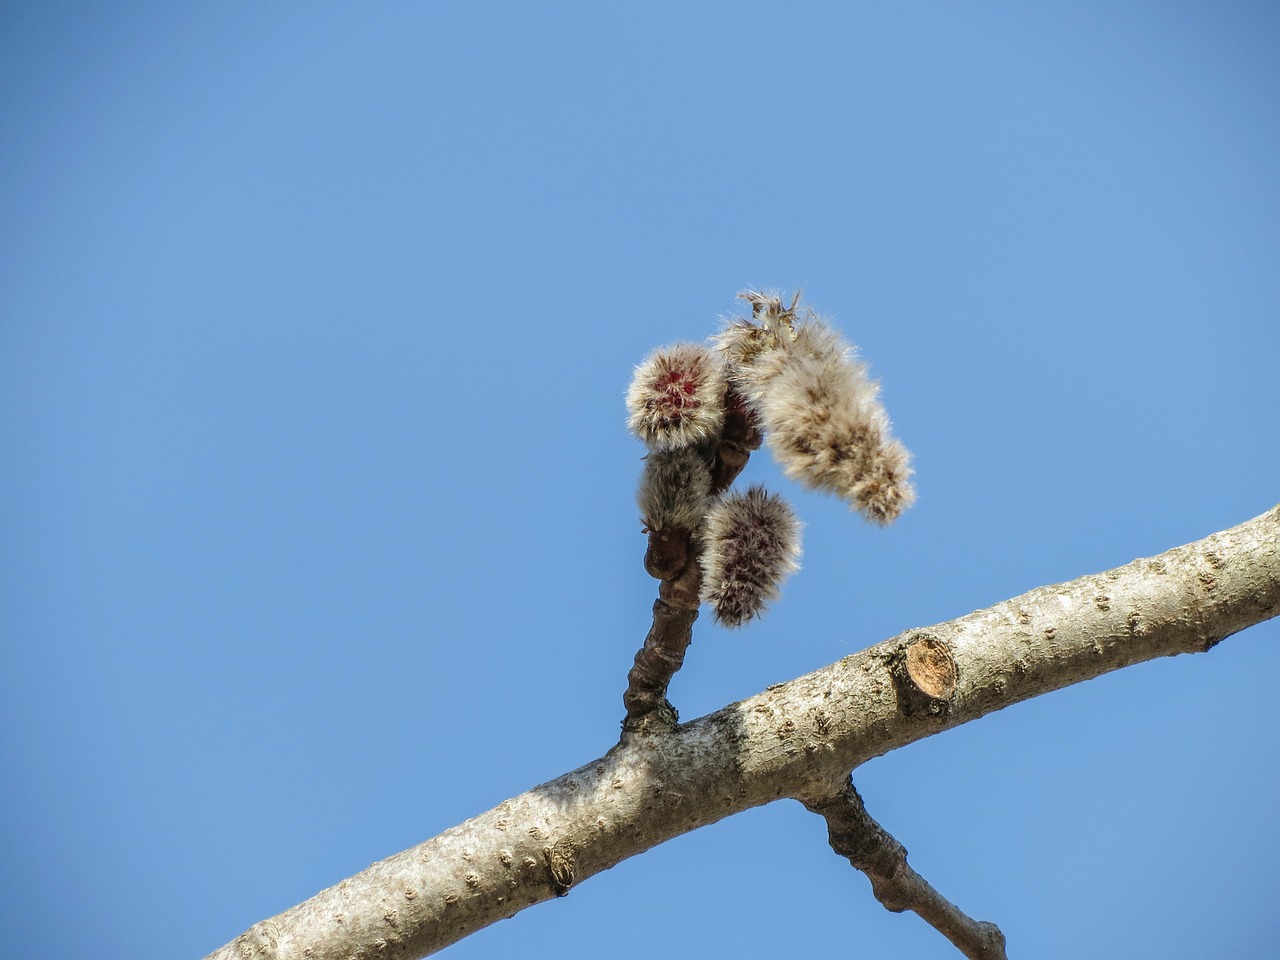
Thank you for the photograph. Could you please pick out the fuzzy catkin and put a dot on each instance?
(821, 413)
(751, 543)
(827, 428)
(674, 489)
(676, 397)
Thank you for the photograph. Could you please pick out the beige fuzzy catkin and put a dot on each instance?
(821, 413)
(751, 543)
(676, 397)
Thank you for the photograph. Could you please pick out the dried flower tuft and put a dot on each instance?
(751, 543)
(820, 411)
(743, 342)
(676, 397)
(674, 489)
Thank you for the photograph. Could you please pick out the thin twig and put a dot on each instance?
(663, 652)
(855, 835)
(672, 558)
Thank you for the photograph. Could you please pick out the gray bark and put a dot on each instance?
(798, 739)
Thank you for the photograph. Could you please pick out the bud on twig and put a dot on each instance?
(673, 496)
(751, 543)
(674, 488)
(676, 397)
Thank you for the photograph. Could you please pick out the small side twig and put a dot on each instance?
(855, 835)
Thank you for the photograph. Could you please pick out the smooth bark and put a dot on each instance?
(798, 739)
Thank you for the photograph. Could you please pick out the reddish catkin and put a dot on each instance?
(676, 397)
(821, 413)
(751, 543)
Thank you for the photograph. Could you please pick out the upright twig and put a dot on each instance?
(672, 558)
(662, 655)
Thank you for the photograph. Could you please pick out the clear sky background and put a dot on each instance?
(317, 529)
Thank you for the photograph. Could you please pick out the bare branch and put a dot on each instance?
(797, 739)
(855, 835)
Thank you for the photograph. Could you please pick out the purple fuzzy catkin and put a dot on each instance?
(820, 411)
(676, 397)
(751, 543)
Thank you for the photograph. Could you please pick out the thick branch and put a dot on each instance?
(855, 835)
(797, 739)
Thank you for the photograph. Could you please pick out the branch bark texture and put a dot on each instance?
(798, 739)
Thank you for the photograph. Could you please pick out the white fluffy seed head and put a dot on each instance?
(751, 543)
(674, 489)
(676, 397)
(820, 411)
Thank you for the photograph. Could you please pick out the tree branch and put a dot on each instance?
(855, 835)
(798, 739)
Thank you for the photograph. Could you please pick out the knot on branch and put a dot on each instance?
(925, 676)
(560, 866)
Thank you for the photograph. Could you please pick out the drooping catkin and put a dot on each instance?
(821, 413)
(676, 397)
(674, 489)
(751, 543)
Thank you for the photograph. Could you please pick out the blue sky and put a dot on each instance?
(315, 322)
